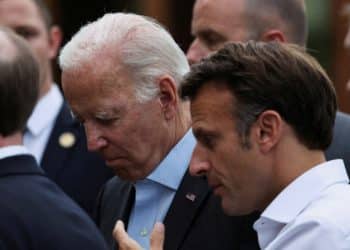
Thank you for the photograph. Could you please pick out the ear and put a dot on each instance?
(268, 130)
(168, 96)
(274, 35)
(55, 39)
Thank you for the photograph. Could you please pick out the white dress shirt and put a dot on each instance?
(41, 122)
(13, 150)
(311, 213)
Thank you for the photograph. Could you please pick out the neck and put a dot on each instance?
(11, 140)
(46, 85)
(183, 121)
(296, 162)
(291, 159)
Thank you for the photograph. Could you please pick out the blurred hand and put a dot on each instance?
(127, 243)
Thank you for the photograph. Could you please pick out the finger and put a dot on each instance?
(123, 239)
(157, 236)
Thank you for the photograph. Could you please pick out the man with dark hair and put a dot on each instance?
(258, 149)
(216, 22)
(276, 108)
(34, 212)
(57, 141)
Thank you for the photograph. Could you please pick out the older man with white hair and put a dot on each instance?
(120, 75)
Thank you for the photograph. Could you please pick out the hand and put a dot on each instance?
(127, 243)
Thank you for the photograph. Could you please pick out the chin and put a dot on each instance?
(131, 176)
(233, 208)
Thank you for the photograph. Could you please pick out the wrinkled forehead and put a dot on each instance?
(98, 76)
(220, 8)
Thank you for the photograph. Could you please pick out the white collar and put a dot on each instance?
(45, 111)
(303, 190)
(14, 150)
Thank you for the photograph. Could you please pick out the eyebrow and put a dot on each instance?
(198, 132)
(210, 32)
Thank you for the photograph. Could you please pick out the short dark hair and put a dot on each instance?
(271, 76)
(19, 85)
(291, 18)
(45, 12)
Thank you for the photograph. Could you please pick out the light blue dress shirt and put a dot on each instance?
(154, 194)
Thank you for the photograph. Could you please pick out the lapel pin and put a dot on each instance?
(66, 140)
(191, 197)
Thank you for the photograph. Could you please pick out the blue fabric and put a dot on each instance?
(155, 194)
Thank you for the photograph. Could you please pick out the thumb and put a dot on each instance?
(123, 239)
(157, 236)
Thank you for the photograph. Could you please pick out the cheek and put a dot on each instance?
(41, 49)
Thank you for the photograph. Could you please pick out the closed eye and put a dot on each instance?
(206, 139)
(211, 39)
(107, 121)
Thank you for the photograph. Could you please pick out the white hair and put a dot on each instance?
(141, 45)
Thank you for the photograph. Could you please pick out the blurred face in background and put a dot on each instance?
(24, 17)
(215, 22)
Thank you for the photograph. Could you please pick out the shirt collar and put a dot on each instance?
(14, 150)
(45, 111)
(303, 190)
(172, 168)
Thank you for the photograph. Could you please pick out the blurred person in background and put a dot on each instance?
(34, 212)
(216, 22)
(57, 140)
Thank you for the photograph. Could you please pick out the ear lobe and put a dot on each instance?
(274, 35)
(269, 130)
(55, 39)
(168, 96)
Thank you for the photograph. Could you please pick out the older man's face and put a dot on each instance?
(129, 135)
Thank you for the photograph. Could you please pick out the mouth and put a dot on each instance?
(216, 187)
(114, 161)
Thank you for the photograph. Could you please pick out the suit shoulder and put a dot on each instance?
(342, 121)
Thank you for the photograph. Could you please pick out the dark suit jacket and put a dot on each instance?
(188, 225)
(340, 146)
(35, 214)
(78, 172)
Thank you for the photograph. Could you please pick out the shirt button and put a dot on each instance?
(143, 232)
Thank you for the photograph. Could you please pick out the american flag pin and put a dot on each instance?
(191, 197)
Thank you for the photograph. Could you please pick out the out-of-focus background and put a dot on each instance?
(327, 28)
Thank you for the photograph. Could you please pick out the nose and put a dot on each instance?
(199, 164)
(196, 51)
(94, 138)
